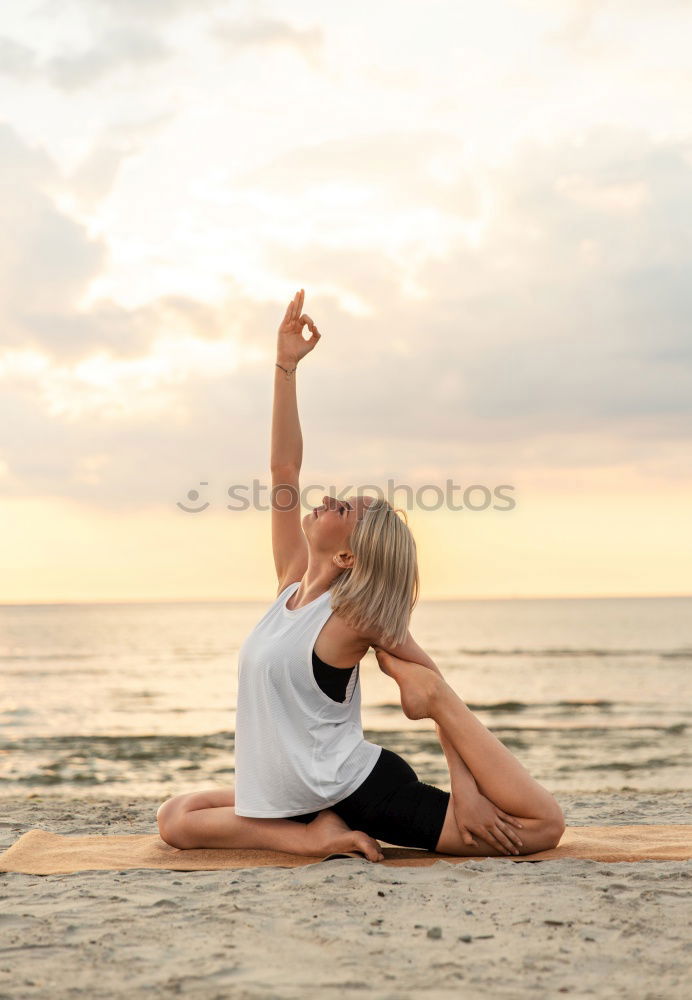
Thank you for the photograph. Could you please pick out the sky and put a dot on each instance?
(487, 207)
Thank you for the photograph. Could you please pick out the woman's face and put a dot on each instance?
(329, 526)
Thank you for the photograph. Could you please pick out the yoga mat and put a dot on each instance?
(39, 852)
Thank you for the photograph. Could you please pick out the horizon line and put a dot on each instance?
(264, 599)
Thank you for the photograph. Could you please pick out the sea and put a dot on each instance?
(592, 695)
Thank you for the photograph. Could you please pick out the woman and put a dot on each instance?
(307, 782)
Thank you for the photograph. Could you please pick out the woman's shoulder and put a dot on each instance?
(340, 643)
(286, 582)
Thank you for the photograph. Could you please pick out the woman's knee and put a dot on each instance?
(559, 826)
(549, 832)
(170, 815)
(168, 818)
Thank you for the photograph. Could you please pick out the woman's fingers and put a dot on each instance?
(313, 330)
(470, 841)
(293, 310)
(513, 839)
(502, 841)
(502, 824)
(311, 326)
(295, 307)
(487, 835)
(468, 837)
(490, 836)
(496, 837)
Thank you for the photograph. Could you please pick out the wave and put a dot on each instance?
(157, 746)
(665, 654)
(19, 657)
(153, 764)
(205, 654)
(522, 706)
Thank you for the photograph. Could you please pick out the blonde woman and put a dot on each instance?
(307, 781)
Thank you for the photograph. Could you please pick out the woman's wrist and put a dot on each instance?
(286, 362)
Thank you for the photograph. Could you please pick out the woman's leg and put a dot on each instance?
(208, 819)
(502, 839)
(498, 774)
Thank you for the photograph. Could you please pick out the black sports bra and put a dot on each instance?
(332, 680)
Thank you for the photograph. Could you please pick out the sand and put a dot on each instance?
(488, 928)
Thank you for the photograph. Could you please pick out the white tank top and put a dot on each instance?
(296, 749)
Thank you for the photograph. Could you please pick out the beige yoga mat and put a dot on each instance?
(39, 852)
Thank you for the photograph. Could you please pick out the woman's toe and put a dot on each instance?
(369, 846)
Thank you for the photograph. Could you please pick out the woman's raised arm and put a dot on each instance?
(288, 541)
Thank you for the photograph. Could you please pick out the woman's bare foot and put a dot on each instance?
(330, 835)
(419, 685)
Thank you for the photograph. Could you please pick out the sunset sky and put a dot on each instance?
(488, 208)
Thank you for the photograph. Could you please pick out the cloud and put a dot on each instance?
(47, 263)
(560, 340)
(152, 10)
(589, 26)
(127, 36)
(125, 49)
(95, 176)
(117, 46)
(572, 315)
(265, 32)
(163, 440)
(17, 59)
(128, 49)
(46, 258)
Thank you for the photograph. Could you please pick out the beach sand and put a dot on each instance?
(490, 928)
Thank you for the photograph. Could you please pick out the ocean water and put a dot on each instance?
(592, 695)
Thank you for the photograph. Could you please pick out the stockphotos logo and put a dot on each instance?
(474, 497)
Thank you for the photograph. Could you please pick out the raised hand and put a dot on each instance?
(291, 346)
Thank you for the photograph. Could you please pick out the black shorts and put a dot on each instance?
(393, 805)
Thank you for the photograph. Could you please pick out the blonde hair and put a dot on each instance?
(379, 592)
